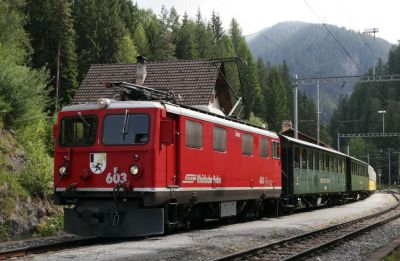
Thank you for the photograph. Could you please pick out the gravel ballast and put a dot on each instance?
(206, 244)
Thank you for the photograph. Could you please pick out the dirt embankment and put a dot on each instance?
(20, 213)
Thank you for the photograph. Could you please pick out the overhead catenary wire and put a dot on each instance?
(362, 36)
(333, 35)
(263, 35)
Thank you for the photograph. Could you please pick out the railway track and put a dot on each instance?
(42, 246)
(293, 248)
(311, 243)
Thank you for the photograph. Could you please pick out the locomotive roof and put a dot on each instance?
(308, 144)
(115, 105)
(221, 120)
(179, 110)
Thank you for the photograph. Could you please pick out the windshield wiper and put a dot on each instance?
(83, 119)
(125, 128)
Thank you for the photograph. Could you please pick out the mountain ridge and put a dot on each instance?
(310, 49)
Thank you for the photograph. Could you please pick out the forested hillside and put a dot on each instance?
(358, 113)
(309, 49)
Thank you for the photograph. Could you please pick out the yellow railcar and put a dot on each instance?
(371, 178)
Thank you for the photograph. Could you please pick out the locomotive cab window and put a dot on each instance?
(219, 139)
(126, 129)
(78, 130)
(276, 154)
(247, 144)
(194, 134)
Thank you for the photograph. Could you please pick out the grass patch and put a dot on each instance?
(10, 190)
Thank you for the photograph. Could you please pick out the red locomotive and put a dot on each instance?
(134, 168)
(131, 167)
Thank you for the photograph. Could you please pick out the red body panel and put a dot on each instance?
(231, 168)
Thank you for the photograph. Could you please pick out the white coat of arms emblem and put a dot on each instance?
(98, 162)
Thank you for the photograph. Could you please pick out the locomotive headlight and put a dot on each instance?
(62, 170)
(134, 170)
(103, 103)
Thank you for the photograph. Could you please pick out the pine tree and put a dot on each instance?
(203, 38)
(248, 71)
(140, 40)
(216, 27)
(186, 46)
(99, 32)
(53, 39)
(164, 47)
(127, 52)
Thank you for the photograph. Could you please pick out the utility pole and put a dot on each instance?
(398, 173)
(390, 177)
(318, 112)
(383, 120)
(372, 31)
(296, 114)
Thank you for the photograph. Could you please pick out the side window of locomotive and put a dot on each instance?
(126, 129)
(194, 134)
(316, 157)
(296, 157)
(264, 147)
(78, 131)
(219, 139)
(247, 144)
(276, 154)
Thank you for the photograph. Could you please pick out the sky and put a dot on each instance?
(255, 15)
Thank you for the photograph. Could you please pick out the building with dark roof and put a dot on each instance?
(198, 83)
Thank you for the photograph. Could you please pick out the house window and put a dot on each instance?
(194, 134)
(275, 150)
(264, 147)
(219, 139)
(247, 144)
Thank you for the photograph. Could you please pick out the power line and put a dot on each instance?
(262, 34)
(361, 35)
(334, 36)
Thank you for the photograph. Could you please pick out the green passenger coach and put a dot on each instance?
(318, 175)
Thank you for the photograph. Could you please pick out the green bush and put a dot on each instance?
(50, 226)
(37, 175)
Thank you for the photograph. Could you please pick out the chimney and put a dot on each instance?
(140, 69)
(287, 125)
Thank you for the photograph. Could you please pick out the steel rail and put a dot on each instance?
(274, 246)
(46, 247)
